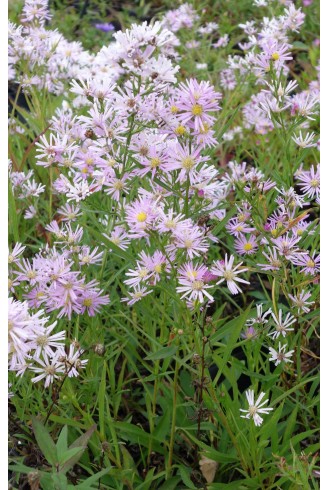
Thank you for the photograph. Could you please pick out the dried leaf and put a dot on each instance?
(208, 468)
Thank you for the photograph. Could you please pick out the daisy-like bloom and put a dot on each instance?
(141, 274)
(192, 240)
(71, 361)
(286, 246)
(171, 222)
(16, 252)
(119, 237)
(140, 215)
(245, 245)
(237, 226)
(305, 141)
(69, 212)
(50, 368)
(228, 273)
(261, 317)
(282, 326)
(136, 295)
(45, 342)
(36, 10)
(86, 257)
(300, 301)
(280, 355)
(310, 182)
(195, 101)
(91, 299)
(255, 408)
(186, 160)
(192, 282)
(311, 264)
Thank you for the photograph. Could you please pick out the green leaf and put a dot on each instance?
(69, 453)
(162, 353)
(87, 484)
(163, 426)
(62, 441)
(185, 477)
(171, 484)
(80, 443)
(45, 443)
(137, 435)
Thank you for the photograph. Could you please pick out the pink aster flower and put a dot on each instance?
(236, 227)
(195, 101)
(136, 295)
(310, 264)
(192, 284)
(186, 159)
(229, 273)
(310, 182)
(245, 245)
(192, 240)
(16, 252)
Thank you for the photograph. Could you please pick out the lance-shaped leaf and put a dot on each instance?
(45, 443)
(80, 444)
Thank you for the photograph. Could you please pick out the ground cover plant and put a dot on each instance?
(164, 193)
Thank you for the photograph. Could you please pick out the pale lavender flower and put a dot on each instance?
(300, 301)
(225, 270)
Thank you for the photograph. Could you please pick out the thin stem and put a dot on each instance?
(174, 414)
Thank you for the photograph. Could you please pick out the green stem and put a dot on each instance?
(174, 415)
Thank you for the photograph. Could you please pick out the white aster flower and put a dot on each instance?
(255, 407)
(280, 355)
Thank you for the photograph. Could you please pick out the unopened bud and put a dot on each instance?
(99, 349)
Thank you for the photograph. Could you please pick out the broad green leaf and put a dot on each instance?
(45, 443)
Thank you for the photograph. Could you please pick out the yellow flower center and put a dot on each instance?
(228, 275)
(188, 163)
(275, 56)
(248, 247)
(197, 285)
(311, 264)
(196, 110)
(142, 216)
(180, 130)
(158, 268)
(174, 109)
(87, 302)
(314, 183)
(118, 185)
(155, 162)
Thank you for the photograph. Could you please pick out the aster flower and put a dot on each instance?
(50, 368)
(255, 408)
(225, 270)
(136, 295)
(282, 327)
(245, 245)
(305, 141)
(44, 342)
(87, 257)
(195, 101)
(300, 301)
(192, 240)
(310, 263)
(191, 279)
(261, 317)
(310, 182)
(72, 362)
(16, 252)
(280, 355)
